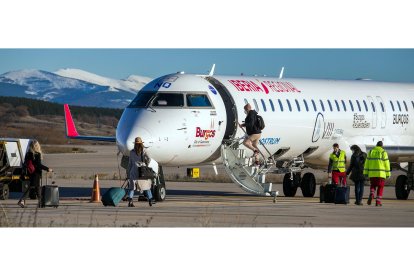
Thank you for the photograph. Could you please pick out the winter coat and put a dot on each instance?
(356, 167)
(251, 123)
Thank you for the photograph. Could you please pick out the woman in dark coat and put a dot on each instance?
(35, 155)
(356, 168)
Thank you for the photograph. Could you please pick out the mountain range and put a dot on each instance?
(71, 86)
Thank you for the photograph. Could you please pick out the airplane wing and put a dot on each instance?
(72, 133)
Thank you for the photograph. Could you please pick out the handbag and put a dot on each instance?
(145, 172)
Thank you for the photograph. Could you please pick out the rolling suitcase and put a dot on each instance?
(50, 195)
(342, 195)
(113, 196)
(327, 193)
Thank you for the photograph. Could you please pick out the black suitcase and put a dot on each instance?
(327, 193)
(50, 195)
(342, 195)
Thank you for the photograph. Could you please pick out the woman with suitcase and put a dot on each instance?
(138, 158)
(33, 166)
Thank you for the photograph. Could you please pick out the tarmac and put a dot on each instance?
(191, 204)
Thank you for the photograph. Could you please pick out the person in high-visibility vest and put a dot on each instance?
(377, 168)
(336, 167)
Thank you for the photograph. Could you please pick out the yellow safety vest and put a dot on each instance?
(377, 164)
(338, 163)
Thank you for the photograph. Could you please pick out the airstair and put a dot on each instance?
(244, 172)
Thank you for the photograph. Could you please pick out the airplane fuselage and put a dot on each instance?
(183, 119)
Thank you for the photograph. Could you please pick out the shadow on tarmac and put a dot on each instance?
(77, 192)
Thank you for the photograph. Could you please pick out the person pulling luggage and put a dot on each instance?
(138, 158)
(33, 166)
(336, 166)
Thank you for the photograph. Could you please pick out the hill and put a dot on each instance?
(44, 121)
(72, 86)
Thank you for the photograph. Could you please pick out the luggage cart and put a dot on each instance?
(12, 154)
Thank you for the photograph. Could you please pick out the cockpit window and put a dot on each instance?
(141, 100)
(168, 100)
(198, 100)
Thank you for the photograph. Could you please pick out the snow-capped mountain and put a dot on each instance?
(71, 86)
(132, 83)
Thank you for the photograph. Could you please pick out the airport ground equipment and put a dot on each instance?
(241, 170)
(12, 154)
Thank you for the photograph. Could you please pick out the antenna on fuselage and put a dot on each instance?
(281, 73)
(212, 70)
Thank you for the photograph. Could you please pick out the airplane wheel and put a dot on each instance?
(290, 186)
(160, 193)
(4, 192)
(308, 185)
(401, 189)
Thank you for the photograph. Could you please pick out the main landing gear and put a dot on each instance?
(292, 181)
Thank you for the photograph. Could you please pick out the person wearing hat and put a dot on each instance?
(138, 157)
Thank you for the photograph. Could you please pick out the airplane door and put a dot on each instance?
(373, 107)
(381, 109)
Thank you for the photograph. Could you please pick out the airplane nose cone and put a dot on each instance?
(130, 127)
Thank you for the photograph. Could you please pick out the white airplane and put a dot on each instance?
(188, 119)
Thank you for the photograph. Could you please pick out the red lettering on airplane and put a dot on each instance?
(266, 86)
(206, 134)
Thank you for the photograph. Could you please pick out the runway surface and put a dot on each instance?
(191, 204)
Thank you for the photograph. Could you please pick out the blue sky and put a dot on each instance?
(377, 64)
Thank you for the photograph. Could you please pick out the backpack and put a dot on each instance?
(260, 122)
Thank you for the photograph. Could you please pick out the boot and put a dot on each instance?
(21, 203)
(370, 199)
(130, 202)
(151, 202)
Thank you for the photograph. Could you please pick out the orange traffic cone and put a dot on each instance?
(96, 193)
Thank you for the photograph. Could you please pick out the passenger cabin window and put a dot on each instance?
(306, 105)
(359, 106)
(392, 106)
(382, 107)
(280, 105)
(169, 100)
(337, 105)
(323, 107)
(330, 105)
(290, 107)
(271, 105)
(351, 105)
(412, 102)
(255, 105)
(343, 104)
(405, 105)
(263, 104)
(297, 105)
(141, 100)
(314, 106)
(399, 106)
(245, 101)
(198, 100)
(373, 106)
(366, 106)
